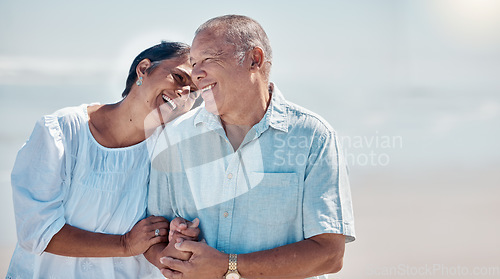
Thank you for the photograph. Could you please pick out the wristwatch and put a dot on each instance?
(232, 272)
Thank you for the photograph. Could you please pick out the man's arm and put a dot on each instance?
(320, 254)
(317, 255)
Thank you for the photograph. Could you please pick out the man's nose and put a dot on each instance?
(198, 73)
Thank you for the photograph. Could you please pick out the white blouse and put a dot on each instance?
(62, 175)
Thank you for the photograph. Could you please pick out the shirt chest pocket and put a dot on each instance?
(274, 199)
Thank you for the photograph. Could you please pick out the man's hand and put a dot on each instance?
(171, 251)
(205, 262)
(180, 229)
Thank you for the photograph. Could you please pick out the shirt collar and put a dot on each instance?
(276, 115)
(206, 117)
(279, 110)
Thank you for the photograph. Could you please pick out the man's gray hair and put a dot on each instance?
(241, 31)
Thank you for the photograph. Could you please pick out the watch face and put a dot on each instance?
(233, 275)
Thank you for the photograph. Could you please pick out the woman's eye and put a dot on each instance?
(179, 78)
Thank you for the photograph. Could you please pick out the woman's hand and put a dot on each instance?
(181, 228)
(143, 235)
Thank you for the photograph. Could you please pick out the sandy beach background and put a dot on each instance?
(411, 86)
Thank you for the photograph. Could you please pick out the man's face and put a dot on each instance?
(217, 73)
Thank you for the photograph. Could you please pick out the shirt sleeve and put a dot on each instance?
(327, 205)
(158, 203)
(37, 186)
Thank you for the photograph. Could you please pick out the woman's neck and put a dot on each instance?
(117, 125)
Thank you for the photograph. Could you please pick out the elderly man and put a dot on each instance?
(265, 177)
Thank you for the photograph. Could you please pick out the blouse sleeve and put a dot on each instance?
(37, 186)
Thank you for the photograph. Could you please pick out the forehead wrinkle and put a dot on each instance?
(212, 52)
(209, 52)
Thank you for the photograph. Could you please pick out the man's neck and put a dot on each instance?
(237, 124)
(236, 134)
(250, 110)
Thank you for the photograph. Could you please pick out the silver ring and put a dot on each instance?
(157, 232)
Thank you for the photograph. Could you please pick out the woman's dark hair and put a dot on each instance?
(155, 54)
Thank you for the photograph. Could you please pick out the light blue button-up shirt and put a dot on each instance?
(286, 182)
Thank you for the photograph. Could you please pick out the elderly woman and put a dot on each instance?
(80, 181)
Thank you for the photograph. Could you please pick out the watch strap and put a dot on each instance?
(233, 262)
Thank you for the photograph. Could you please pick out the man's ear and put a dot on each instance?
(141, 68)
(256, 59)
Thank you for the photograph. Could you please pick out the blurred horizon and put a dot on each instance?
(411, 86)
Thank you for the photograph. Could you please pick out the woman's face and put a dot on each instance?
(169, 90)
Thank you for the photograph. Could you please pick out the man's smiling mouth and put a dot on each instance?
(208, 87)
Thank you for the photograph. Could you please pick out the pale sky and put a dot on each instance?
(425, 70)
(415, 82)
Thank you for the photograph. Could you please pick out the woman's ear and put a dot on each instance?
(256, 58)
(141, 68)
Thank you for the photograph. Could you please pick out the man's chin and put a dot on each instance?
(211, 107)
(212, 111)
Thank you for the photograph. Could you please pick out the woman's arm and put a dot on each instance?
(74, 242)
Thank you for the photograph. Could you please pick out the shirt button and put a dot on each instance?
(226, 214)
(230, 175)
